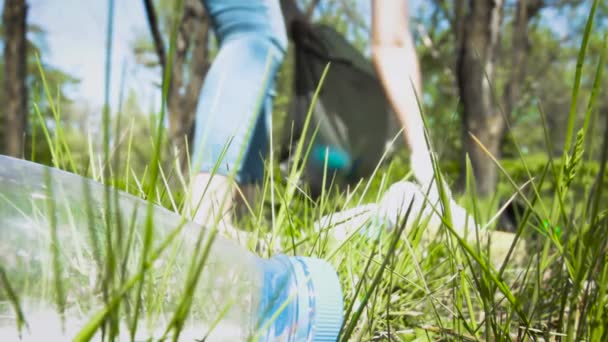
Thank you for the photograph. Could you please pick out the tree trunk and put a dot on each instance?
(292, 13)
(190, 61)
(524, 11)
(15, 90)
(188, 69)
(475, 66)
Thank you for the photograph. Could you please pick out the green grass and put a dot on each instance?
(396, 286)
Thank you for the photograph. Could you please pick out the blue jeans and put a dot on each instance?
(233, 117)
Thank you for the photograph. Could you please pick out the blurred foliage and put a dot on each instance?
(554, 39)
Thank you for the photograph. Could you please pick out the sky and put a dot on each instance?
(76, 38)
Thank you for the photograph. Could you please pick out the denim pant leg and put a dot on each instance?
(233, 113)
(252, 167)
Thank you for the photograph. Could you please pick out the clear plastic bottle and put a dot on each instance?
(55, 258)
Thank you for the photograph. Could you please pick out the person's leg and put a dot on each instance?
(252, 169)
(230, 132)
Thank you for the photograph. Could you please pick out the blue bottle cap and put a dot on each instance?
(325, 297)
